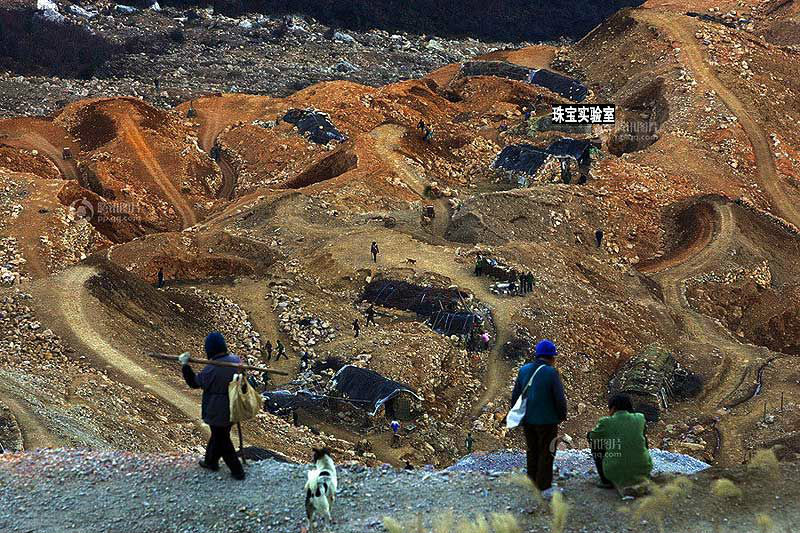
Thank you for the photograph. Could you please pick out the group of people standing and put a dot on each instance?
(618, 441)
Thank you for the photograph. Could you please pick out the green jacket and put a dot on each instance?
(622, 435)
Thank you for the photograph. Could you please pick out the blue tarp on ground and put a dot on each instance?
(521, 158)
(562, 85)
(566, 147)
(316, 124)
(367, 388)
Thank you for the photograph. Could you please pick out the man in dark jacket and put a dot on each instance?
(214, 381)
(374, 251)
(546, 407)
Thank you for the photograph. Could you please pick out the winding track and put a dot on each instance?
(679, 28)
(31, 140)
(74, 299)
(701, 255)
(388, 138)
(131, 132)
(34, 433)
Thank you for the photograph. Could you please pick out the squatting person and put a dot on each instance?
(619, 446)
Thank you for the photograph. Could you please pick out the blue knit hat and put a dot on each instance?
(545, 348)
(215, 344)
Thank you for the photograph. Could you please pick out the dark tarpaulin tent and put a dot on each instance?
(367, 388)
(452, 323)
(562, 85)
(567, 147)
(284, 401)
(316, 124)
(521, 158)
(403, 295)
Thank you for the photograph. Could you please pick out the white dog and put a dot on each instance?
(320, 487)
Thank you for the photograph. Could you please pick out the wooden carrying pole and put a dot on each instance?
(168, 357)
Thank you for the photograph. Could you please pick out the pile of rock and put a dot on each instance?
(199, 51)
(232, 321)
(305, 330)
(23, 340)
(10, 261)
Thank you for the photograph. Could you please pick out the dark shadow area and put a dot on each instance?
(32, 45)
(328, 168)
(505, 20)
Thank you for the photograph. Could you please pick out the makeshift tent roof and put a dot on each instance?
(521, 158)
(403, 295)
(452, 323)
(566, 147)
(282, 401)
(368, 388)
(566, 87)
(315, 123)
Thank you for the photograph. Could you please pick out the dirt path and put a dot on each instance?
(211, 125)
(74, 299)
(397, 247)
(679, 28)
(30, 225)
(31, 140)
(34, 433)
(388, 141)
(737, 358)
(134, 136)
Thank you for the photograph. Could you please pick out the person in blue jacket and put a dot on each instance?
(214, 381)
(545, 409)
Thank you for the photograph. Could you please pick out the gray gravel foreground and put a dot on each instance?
(63, 491)
(68, 490)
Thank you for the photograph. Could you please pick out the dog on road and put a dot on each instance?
(320, 487)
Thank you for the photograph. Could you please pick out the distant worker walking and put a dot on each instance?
(545, 408)
(268, 348)
(395, 425)
(598, 237)
(214, 381)
(374, 251)
(468, 443)
(280, 350)
(356, 328)
(160, 283)
(371, 316)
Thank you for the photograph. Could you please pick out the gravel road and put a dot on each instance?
(68, 490)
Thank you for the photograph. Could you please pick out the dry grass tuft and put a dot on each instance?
(392, 525)
(505, 523)
(765, 523)
(725, 489)
(521, 480)
(765, 464)
(661, 501)
(560, 510)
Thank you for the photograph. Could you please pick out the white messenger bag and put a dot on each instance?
(517, 413)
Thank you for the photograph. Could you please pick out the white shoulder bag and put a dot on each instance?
(517, 413)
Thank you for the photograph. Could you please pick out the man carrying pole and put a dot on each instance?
(214, 381)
